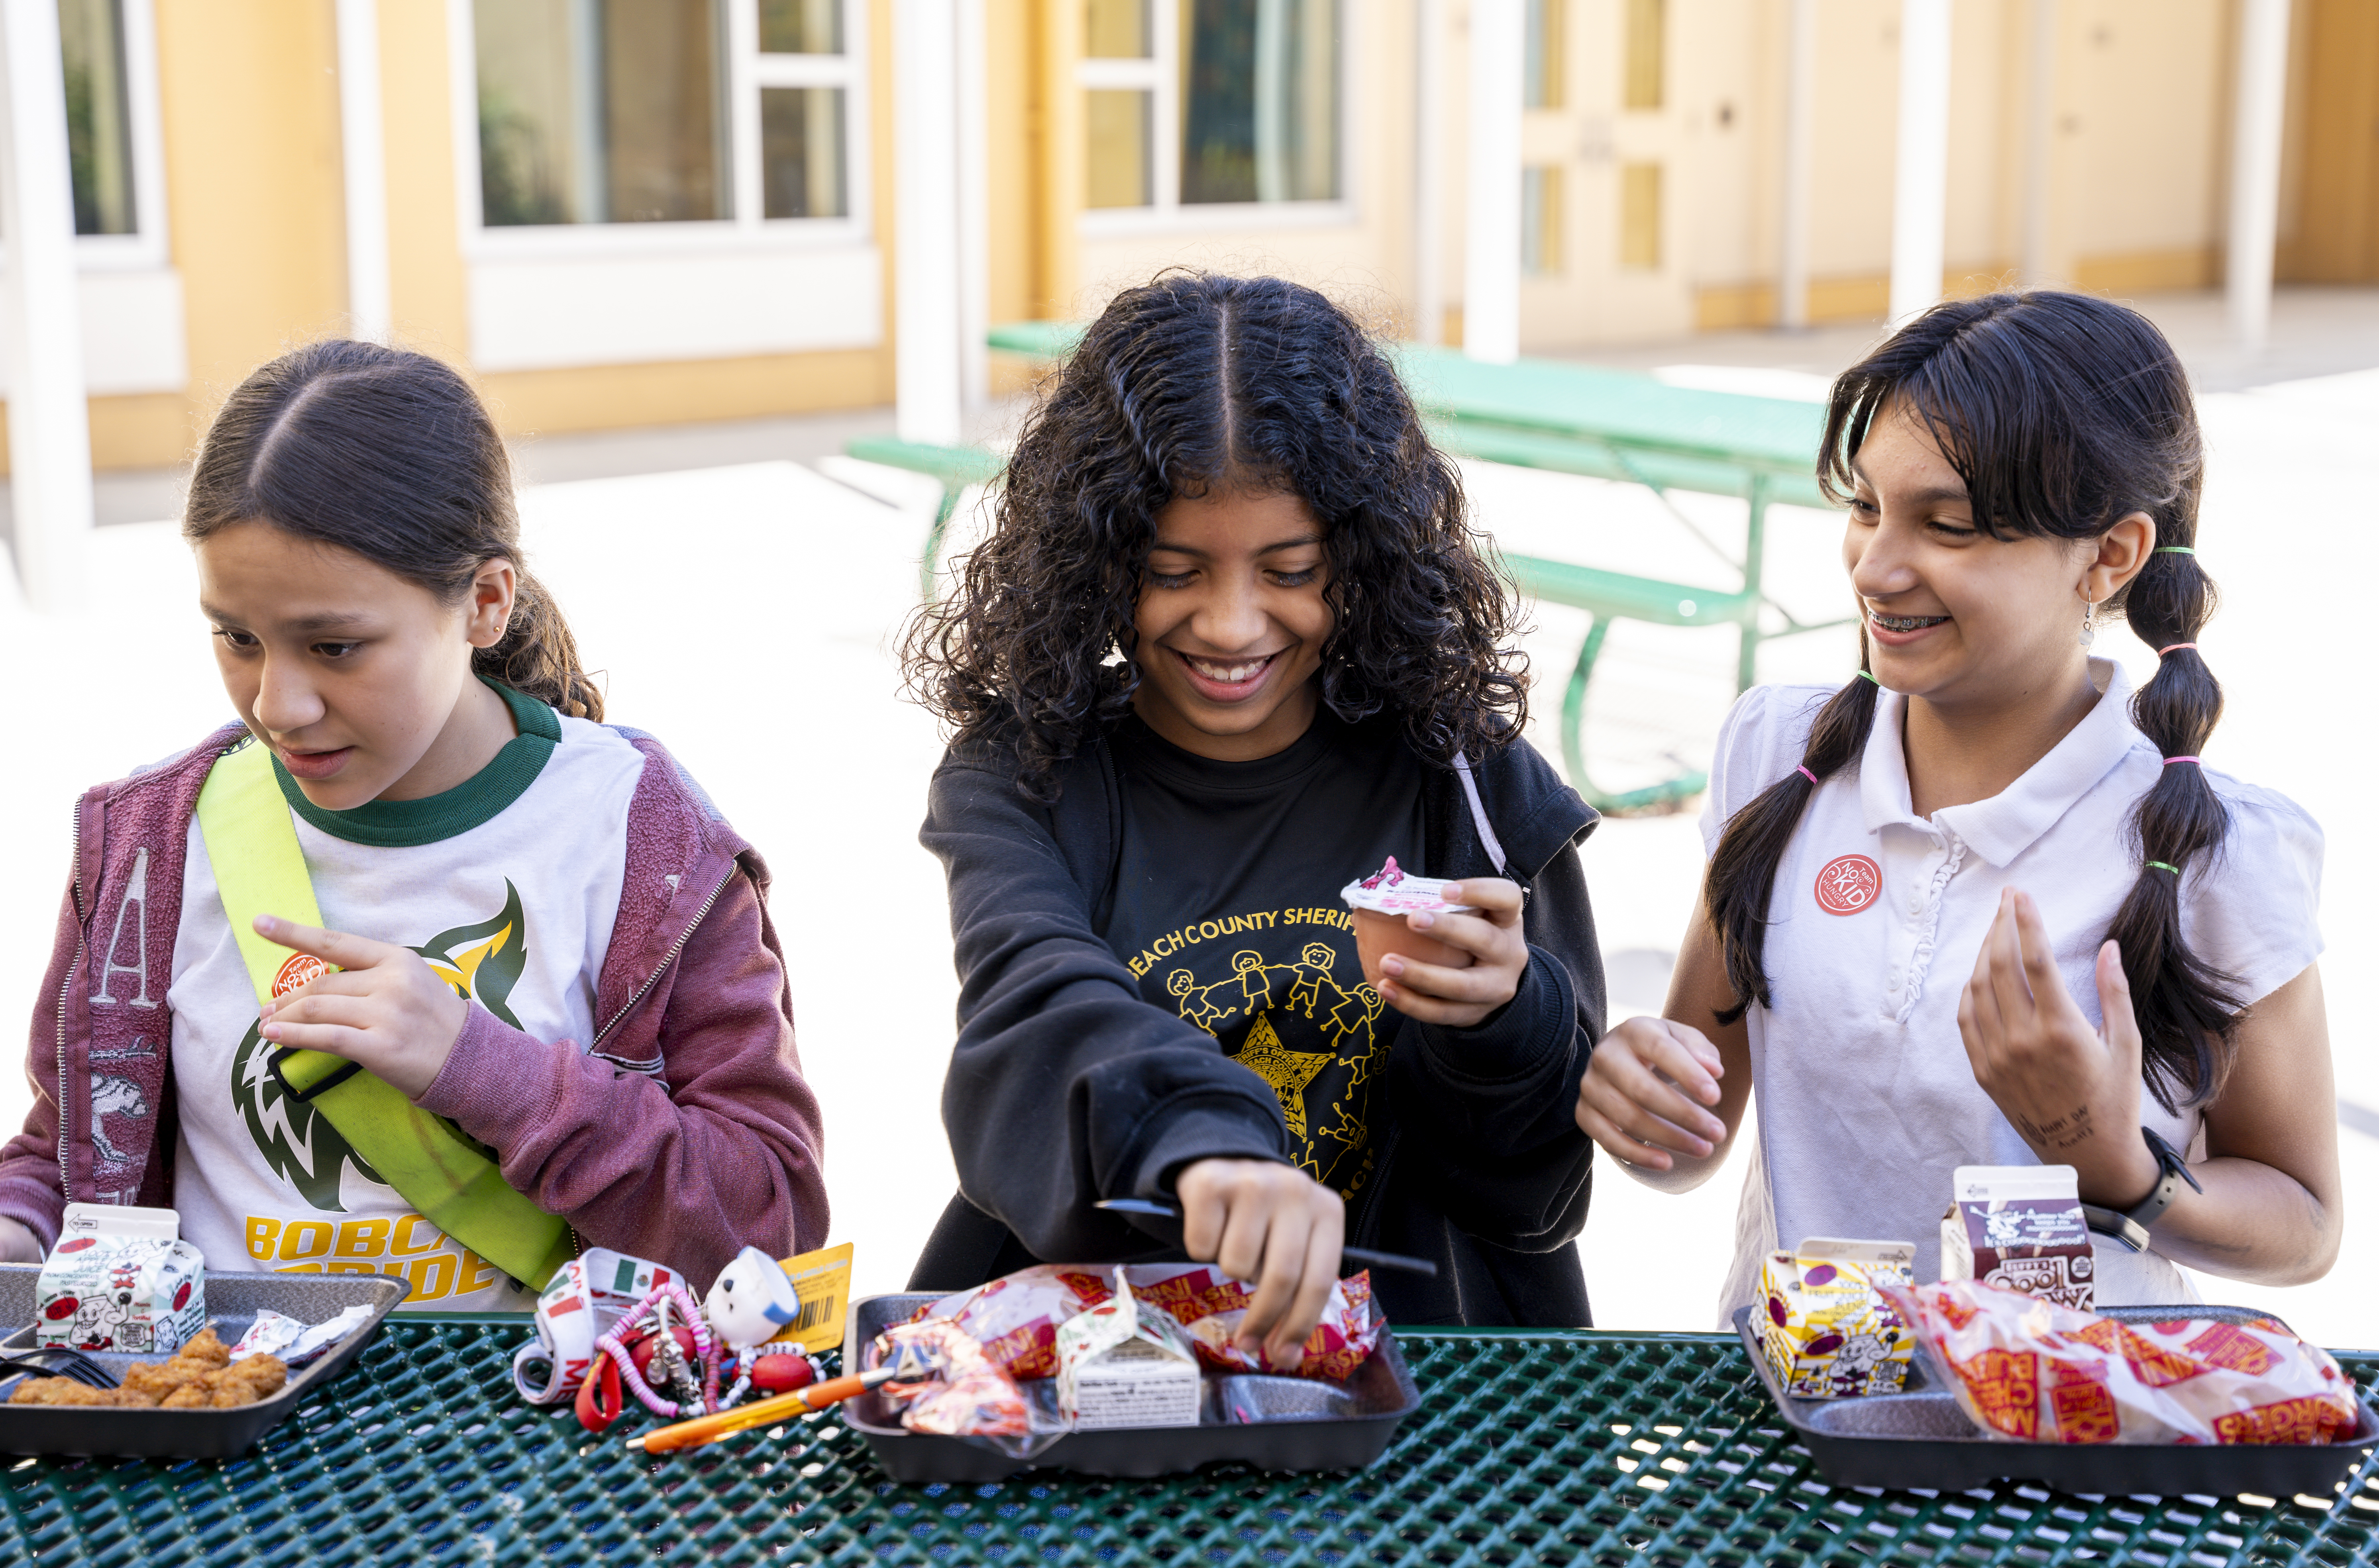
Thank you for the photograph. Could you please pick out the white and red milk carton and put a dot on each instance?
(120, 1280)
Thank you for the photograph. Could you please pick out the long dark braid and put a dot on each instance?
(2063, 414)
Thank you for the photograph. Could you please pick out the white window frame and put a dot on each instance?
(748, 71)
(1159, 74)
(144, 250)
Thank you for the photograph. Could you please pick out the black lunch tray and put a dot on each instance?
(1921, 1437)
(1301, 1425)
(232, 1302)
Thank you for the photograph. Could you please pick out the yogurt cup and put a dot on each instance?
(1382, 902)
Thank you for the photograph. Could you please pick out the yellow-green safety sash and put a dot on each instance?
(260, 870)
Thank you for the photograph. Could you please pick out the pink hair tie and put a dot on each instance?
(1806, 774)
(2174, 648)
(2169, 761)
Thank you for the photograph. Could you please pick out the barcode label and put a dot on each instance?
(816, 1312)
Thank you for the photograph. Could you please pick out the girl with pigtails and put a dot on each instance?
(1984, 904)
(417, 967)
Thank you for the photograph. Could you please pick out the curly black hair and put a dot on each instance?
(1189, 385)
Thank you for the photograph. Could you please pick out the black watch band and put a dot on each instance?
(2131, 1228)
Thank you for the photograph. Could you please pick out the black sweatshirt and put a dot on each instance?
(1064, 1087)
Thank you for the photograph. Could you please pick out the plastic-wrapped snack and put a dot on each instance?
(946, 1385)
(1015, 1318)
(295, 1342)
(2028, 1370)
(1210, 1305)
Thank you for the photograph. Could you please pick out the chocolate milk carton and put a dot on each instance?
(2020, 1227)
(120, 1280)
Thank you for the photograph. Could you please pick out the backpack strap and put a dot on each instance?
(1487, 839)
(450, 1179)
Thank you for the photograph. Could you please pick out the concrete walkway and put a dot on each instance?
(748, 611)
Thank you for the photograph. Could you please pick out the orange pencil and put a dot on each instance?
(766, 1412)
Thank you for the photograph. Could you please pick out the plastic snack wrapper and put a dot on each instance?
(295, 1342)
(947, 1386)
(1016, 1318)
(1392, 890)
(1824, 1325)
(2026, 1369)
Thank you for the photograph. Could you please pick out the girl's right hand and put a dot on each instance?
(1262, 1221)
(19, 1245)
(1647, 1093)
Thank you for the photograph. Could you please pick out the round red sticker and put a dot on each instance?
(301, 968)
(1848, 885)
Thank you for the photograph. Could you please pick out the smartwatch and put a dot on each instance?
(2130, 1228)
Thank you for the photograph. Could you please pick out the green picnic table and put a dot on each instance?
(1571, 420)
(1530, 1447)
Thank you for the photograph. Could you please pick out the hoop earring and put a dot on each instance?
(2089, 622)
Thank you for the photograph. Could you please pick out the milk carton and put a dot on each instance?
(2020, 1227)
(1123, 1363)
(120, 1280)
(1825, 1328)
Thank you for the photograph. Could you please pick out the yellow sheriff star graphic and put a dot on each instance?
(1287, 1071)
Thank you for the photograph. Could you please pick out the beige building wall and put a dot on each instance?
(1663, 217)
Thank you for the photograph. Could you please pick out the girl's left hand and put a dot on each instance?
(385, 1009)
(2071, 1093)
(1461, 999)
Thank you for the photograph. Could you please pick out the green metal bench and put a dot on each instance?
(1608, 425)
(1611, 424)
(955, 466)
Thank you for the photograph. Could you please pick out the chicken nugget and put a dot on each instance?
(190, 1396)
(205, 1346)
(262, 1376)
(158, 1379)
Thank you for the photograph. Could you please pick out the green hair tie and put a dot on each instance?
(1870, 675)
(2159, 865)
(2174, 549)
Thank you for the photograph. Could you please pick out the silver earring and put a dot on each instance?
(2089, 622)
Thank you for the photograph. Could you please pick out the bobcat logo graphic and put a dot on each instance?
(482, 962)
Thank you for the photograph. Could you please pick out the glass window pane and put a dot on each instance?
(1115, 29)
(600, 111)
(99, 129)
(1639, 216)
(800, 27)
(1542, 85)
(1540, 221)
(1118, 150)
(1259, 100)
(800, 153)
(1648, 25)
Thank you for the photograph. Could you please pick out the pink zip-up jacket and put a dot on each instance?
(681, 1134)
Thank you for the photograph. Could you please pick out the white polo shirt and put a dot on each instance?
(1866, 1100)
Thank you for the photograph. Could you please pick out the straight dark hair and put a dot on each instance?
(2063, 414)
(391, 454)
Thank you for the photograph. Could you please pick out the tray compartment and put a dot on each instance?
(1922, 1438)
(1303, 1424)
(232, 1302)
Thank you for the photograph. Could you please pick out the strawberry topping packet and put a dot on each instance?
(1392, 890)
(2026, 1369)
(1016, 1318)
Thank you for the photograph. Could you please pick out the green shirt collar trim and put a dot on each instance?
(398, 825)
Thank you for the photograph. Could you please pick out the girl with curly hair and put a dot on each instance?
(1982, 904)
(1229, 645)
